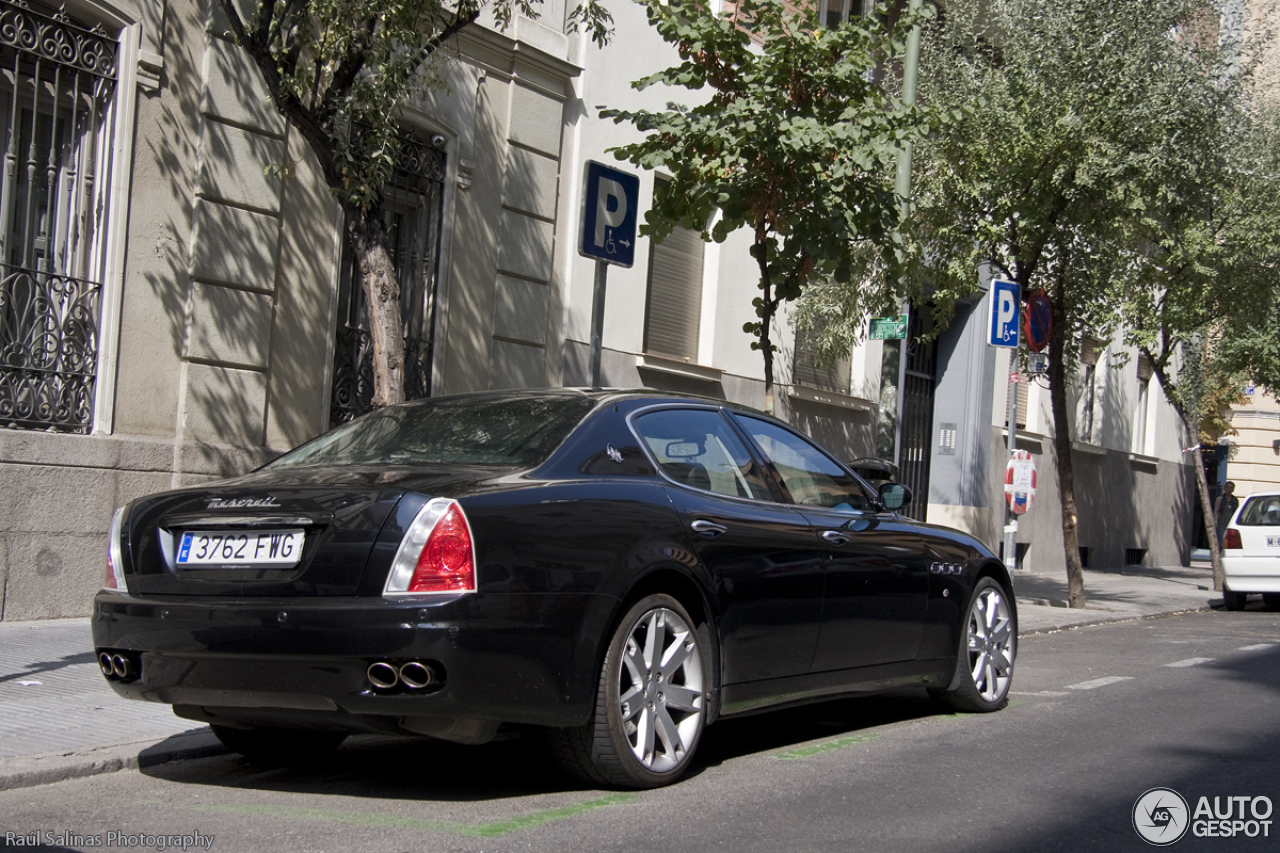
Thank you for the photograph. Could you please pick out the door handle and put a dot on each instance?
(709, 529)
(835, 537)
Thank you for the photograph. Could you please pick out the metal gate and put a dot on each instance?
(57, 80)
(916, 421)
(411, 210)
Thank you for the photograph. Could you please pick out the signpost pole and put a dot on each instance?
(597, 322)
(1011, 520)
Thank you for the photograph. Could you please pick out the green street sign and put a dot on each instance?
(889, 328)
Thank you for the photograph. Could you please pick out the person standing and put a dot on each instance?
(1224, 508)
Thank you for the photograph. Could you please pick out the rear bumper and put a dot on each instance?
(1251, 574)
(511, 657)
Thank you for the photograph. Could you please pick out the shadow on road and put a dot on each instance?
(519, 763)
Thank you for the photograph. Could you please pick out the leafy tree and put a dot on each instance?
(1077, 134)
(1205, 313)
(795, 141)
(341, 71)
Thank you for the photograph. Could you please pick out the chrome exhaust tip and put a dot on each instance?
(120, 666)
(382, 675)
(104, 664)
(416, 675)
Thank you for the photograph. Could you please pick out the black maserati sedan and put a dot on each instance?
(618, 568)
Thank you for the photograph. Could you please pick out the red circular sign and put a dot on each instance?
(1037, 320)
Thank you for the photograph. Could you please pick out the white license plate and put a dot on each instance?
(240, 547)
(1273, 541)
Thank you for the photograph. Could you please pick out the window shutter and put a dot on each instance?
(1144, 368)
(806, 370)
(673, 306)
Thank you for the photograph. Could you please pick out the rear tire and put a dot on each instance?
(1234, 600)
(1271, 599)
(651, 704)
(275, 747)
(988, 650)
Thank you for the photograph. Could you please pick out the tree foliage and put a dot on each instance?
(341, 71)
(1086, 144)
(794, 140)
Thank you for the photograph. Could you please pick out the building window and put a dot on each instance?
(1022, 391)
(673, 305)
(56, 95)
(411, 211)
(1088, 418)
(1144, 418)
(833, 13)
(807, 371)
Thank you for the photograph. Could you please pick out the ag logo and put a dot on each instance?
(1161, 816)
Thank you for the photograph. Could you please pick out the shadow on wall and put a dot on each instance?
(1129, 510)
(848, 433)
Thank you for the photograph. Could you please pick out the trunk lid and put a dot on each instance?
(296, 532)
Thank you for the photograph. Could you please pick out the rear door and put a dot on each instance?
(762, 554)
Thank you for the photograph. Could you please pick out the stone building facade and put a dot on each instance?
(223, 328)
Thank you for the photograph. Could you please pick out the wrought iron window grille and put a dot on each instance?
(57, 82)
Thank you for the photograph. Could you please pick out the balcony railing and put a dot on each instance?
(48, 350)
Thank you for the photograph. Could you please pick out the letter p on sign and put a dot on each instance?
(1005, 314)
(610, 202)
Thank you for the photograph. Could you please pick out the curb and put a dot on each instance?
(1111, 618)
(31, 771)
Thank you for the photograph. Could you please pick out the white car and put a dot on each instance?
(1251, 552)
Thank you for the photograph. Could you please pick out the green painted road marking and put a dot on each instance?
(483, 830)
(819, 748)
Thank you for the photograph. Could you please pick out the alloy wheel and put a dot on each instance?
(992, 643)
(660, 689)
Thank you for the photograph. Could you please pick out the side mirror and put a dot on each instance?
(894, 496)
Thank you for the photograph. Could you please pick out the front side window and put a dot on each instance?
(810, 476)
(56, 95)
(697, 448)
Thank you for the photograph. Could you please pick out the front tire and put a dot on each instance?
(1233, 600)
(988, 650)
(651, 705)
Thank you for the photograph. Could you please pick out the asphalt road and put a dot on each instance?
(1100, 716)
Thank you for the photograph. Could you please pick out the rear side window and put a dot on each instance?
(697, 448)
(1260, 511)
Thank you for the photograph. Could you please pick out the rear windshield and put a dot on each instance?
(1260, 511)
(516, 432)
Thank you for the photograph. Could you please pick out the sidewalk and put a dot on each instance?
(60, 720)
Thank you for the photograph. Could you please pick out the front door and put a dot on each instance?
(875, 572)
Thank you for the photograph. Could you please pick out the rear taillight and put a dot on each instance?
(1232, 539)
(114, 578)
(436, 554)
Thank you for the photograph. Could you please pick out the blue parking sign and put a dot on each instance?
(1005, 317)
(610, 204)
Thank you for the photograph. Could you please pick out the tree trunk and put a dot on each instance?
(766, 311)
(1062, 448)
(1206, 507)
(382, 301)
